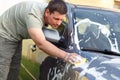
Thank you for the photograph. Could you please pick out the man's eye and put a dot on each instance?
(56, 18)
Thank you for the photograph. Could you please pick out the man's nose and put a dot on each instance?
(59, 22)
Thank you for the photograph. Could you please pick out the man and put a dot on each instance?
(25, 20)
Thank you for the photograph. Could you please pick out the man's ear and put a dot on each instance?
(47, 12)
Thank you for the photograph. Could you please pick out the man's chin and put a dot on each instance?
(55, 27)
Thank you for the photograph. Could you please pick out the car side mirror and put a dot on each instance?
(51, 35)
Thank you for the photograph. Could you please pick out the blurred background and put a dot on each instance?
(32, 56)
(5, 4)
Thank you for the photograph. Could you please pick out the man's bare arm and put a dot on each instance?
(39, 38)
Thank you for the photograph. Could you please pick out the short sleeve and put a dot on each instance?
(34, 16)
(33, 21)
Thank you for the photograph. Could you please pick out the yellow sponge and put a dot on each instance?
(82, 61)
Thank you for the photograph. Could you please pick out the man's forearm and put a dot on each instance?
(52, 50)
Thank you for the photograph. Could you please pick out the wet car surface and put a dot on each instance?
(93, 33)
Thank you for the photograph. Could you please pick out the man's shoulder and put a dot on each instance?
(41, 5)
(40, 2)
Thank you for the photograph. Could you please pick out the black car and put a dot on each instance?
(91, 32)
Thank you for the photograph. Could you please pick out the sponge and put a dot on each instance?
(81, 62)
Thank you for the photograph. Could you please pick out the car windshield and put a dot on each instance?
(98, 29)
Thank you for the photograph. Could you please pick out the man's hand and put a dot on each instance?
(73, 57)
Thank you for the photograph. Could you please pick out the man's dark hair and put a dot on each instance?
(57, 5)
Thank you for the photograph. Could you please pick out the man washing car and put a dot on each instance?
(23, 21)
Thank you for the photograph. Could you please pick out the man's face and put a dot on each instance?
(54, 19)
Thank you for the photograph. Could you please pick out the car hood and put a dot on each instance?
(97, 67)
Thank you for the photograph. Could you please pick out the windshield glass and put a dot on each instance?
(97, 29)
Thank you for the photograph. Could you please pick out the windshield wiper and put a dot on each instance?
(107, 52)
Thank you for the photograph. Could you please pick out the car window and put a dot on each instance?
(97, 29)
